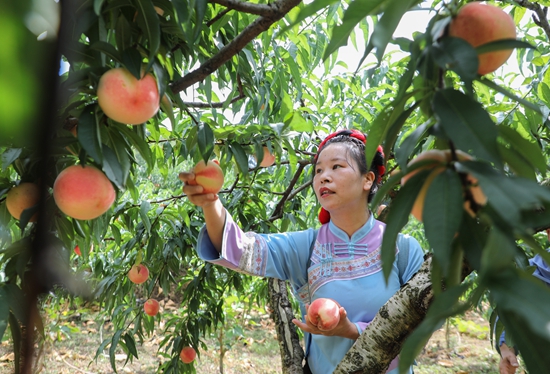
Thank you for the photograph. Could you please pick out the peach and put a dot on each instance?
(188, 355)
(324, 313)
(21, 197)
(126, 99)
(442, 157)
(83, 192)
(209, 176)
(268, 160)
(151, 307)
(480, 23)
(77, 251)
(138, 274)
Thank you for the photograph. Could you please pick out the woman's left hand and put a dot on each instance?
(345, 328)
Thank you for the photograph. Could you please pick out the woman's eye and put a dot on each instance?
(336, 166)
(318, 171)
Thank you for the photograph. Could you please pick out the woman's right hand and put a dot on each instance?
(195, 192)
(508, 362)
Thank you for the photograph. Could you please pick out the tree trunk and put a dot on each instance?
(384, 337)
(292, 354)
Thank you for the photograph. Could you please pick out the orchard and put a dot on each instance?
(103, 104)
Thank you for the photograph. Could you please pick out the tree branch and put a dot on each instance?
(278, 211)
(246, 7)
(540, 16)
(278, 10)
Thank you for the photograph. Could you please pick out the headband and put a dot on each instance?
(324, 216)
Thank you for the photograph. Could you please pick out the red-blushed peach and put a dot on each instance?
(77, 251)
(209, 176)
(479, 23)
(83, 192)
(126, 99)
(151, 307)
(324, 313)
(441, 158)
(188, 355)
(268, 160)
(21, 197)
(138, 274)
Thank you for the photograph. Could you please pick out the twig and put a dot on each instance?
(74, 367)
(540, 16)
(278, 211)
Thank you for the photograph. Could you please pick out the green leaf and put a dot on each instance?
(307, 11)
(9, 156)
(4, 312)
(457, 55)
(132, 61)
(205, 138)
(467, 123)
(507, 195)
(97, 6)
(509, 94)
(442, 214)
(144, 208)
(531, 151)
(240, 157)
(89, 136)
(112, 168)
(138, 142)
(123, 33)
(398, 216)
(148, 22)
(130, 344)
(200, 9)
(501, 44)
(107, 49)
(112, 348)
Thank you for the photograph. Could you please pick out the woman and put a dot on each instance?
(340, 260)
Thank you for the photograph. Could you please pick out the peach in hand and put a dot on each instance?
(209, 176)
(126, 99)
(83, 192)
(324, 313)
(21, 197)
(138, 274)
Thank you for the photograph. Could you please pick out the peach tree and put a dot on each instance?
(234, 77)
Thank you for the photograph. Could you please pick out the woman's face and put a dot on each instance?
(337, 181)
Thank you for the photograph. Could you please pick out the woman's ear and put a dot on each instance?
(369, 180)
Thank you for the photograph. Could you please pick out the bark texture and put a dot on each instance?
(292, 353)
(384, 337)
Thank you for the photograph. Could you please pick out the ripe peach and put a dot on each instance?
(209, 176)
(268, 160)
(138, 274)
(188, 355)
(151, 307)
(324, 313)
(77, 251)
(480, 23)
(126, 99)
(442, 157)
(83, 192)
(21, 197)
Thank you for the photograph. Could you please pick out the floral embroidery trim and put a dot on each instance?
(254, 255)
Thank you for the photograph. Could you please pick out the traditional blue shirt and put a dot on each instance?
(348, 270)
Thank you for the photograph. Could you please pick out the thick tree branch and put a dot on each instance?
(246, 7)
(278, 10)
